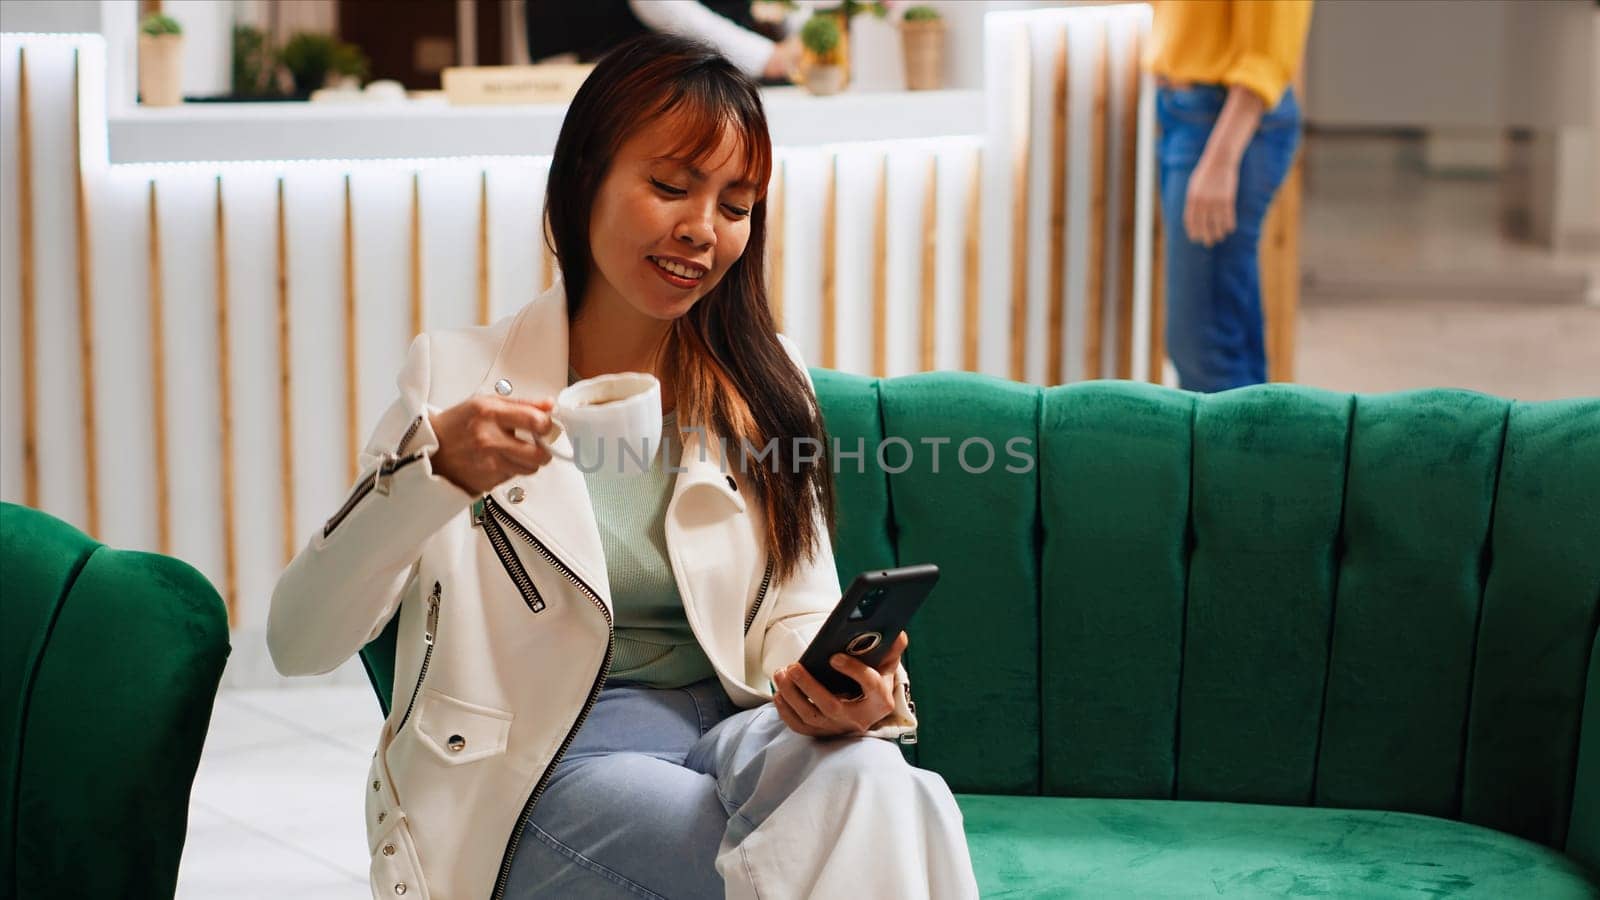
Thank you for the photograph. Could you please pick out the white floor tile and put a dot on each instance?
(305, 794)
(235, 725)
(222, 859)
(348, 715)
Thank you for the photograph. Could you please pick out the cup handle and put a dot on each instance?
(544, 442)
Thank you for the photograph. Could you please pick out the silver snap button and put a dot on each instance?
(400, 888)
(502, 387)
(382, 816)
(457, 743)
(388, 849)
(516, 494)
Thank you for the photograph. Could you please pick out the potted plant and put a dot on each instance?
(310, 57)
(822, 69)
(160, 61)
(922, 36)
(252, 69)
(841, 12)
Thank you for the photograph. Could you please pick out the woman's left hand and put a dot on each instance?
(1208, 214)
(811, 709)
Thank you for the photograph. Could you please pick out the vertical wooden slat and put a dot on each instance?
(25, 240)
(285, 376)
(880, 274)
(971, 294)
(1280, 265)
(775, 246)
(352, 355)
(230, 555)
(1055, 371)
(1158, 297)
(158, 376)
(1021, 188)
(830, 298)
(1281, 253)
(1129, 167)
(416, 254)
(551, 264)
(930, 259)
(483, 248)
(1094, 295)
(91, 474)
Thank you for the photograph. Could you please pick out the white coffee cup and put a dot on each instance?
(603, 415)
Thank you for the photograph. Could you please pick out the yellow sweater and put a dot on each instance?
(1256, 44)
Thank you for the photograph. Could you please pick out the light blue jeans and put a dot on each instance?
(662, 788)
(1214, 326)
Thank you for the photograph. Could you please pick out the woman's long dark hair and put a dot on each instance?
(732, 375)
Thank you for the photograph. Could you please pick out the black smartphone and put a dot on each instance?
(866, 623)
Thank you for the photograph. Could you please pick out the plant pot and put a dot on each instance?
(823, 80)
(161, 69)
(840, 56)
(924, 54)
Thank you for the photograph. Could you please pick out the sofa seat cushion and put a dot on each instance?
(1071, 847)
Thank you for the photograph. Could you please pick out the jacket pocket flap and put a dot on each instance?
(460, 732)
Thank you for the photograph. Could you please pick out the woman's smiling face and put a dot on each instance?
(664, 230)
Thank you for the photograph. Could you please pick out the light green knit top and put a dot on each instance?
(654, 645)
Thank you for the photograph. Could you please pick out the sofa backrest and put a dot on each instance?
(1275, 594)
(109, 665)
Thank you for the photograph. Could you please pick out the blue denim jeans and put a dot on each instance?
(1214, 327)
(678, 793)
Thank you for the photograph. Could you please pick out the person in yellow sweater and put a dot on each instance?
(1230, 125)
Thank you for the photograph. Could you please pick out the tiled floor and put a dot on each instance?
(277, 803)
(276, 809)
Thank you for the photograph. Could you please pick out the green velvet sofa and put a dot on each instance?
(109, 666)
(1270, 642)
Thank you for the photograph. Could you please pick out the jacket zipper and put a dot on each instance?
(427, 655)
(496, 533)
(495, 521)
(378, 480)
(766, 581)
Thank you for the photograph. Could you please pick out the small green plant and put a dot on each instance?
(820, 35)
(310, 56)
(349, 60)
(251, 66)
(157, 25)
(922, 14)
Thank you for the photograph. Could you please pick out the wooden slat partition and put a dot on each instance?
(1094, 310)
(1021, 193)
(775, 244)
(1129, 83)
(1055, 367)
(286, 374)
(230, 550)
(971, 291)
(29, 287)
(483, 248)
(158, 374)
(85, 263)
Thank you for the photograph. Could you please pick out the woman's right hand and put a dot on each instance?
(478, 448)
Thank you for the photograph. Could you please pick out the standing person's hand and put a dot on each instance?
(811, 709)
(1208, 212)
(478, 448)
(785, 59)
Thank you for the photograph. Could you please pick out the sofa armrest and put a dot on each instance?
(1583, 837)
